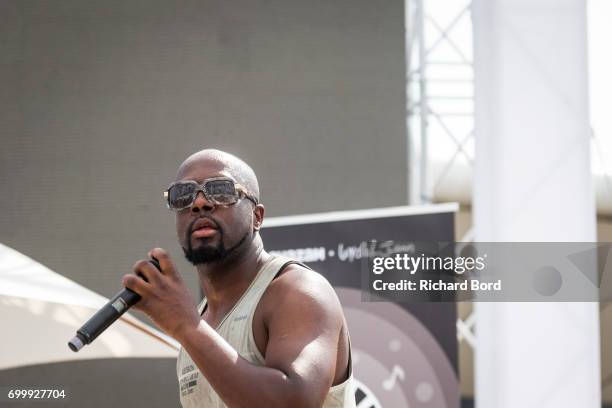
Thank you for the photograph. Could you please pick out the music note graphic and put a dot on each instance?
(397, 372)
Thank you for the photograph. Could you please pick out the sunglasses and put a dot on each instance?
(218, 191)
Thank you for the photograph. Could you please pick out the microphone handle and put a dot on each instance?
(106, 316)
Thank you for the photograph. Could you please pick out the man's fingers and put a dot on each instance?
(147, 271)
(135, 283)
(138, 306)
(167, 266)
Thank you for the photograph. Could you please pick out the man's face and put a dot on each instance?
(229, 229)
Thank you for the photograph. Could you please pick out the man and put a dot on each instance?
(270, 332)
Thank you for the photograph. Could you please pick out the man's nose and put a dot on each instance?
(201, 203)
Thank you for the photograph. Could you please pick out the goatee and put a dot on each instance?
(210, 253)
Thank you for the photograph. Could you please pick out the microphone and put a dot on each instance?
(106, 316)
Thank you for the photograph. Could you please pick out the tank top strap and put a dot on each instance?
(268, 272)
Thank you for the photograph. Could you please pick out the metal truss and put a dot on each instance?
(439, 92)
(440, 103)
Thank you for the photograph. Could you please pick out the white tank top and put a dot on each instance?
(237, 329)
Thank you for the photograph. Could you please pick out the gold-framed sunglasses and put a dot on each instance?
(217, 190)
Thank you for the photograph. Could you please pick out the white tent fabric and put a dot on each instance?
(41, 310)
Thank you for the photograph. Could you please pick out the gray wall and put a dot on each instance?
(101, 100)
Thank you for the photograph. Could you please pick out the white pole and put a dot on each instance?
(533, 183)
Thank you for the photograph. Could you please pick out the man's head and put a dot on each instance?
(211, 233)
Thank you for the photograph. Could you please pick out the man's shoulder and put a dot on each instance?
(296, 284)
(296, 277)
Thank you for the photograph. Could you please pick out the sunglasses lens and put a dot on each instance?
(221, 192)
(181, 195)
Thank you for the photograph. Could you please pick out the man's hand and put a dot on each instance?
(165, 298)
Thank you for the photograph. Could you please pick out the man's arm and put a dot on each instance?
(304, 321)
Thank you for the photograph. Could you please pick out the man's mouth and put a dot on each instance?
(204, 228)
(204, 232)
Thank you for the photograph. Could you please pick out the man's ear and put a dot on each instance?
(258, 212)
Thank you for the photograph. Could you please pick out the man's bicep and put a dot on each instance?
(303, 332)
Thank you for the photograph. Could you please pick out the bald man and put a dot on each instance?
(270, 332)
